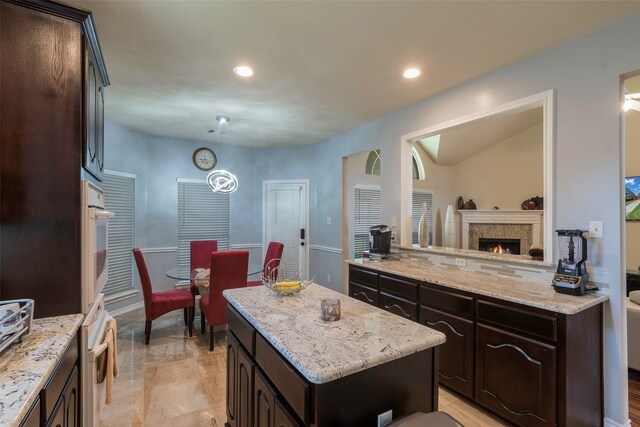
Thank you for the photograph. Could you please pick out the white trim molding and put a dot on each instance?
(608, 422)
(159, 250)
(325, 249)
(120, 296)
(120, 173)
(543, 99)
(246, 246)
(532, 217)
(126, 309)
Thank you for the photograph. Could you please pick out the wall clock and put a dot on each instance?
(204, 159)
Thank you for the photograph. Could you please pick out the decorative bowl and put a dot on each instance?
(278, 279)
(288, 287)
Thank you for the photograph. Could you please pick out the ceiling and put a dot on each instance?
(321, 68)
(452, 146)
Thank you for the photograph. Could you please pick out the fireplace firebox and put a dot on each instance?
(506, 246)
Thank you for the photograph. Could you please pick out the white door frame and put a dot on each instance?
(303, 182)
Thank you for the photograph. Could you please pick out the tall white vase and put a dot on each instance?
(423, 228)
(450, 228)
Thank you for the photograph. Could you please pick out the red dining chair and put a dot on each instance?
(200, 257)
(228, 271)
(271, 263)
(158, 303)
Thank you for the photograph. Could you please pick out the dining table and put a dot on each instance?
(184, 273)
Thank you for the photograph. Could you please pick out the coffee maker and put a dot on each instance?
(380, 240)
(571, 275)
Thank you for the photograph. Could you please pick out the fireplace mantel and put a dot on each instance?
(533, 217)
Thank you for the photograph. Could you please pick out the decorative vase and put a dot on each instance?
(423, 228)
(450, 228)
(471, 205)
(460, 203)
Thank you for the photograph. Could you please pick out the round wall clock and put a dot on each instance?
(204, 159)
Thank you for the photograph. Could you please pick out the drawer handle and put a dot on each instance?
(407, 315)
(363, 294)
(529, 358)
(446, 324)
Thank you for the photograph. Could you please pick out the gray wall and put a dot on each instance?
(585, 74)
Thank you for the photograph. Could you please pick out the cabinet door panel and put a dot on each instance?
(516, 377)
(32, 419)
(71, 401)
(232, 365)
(456, 354)
(264, 402)
(283, 418)
(244, 386)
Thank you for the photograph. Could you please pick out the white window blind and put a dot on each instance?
(119, 198)
(202, 215)
(367, 214)
(420, 197)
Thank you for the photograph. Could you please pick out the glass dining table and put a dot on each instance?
(184, 273)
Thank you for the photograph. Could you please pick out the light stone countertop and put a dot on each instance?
(505, 288)
(25, 367)
(364, 337)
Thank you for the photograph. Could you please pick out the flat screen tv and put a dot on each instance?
(632, 198)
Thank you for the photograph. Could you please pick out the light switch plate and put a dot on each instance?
(461, 262)
(385, 418)
(328, 220)
(595, 229)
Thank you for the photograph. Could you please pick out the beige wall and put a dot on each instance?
(503, 175)
(632, 156)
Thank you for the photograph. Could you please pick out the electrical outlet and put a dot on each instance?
(595, 229)
(328, 278)
(394, 221)
(461, 262)
(385, 418)
(328, 220)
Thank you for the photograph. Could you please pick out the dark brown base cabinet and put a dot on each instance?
(264, 390)
(531, 367)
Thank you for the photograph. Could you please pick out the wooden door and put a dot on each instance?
(456, 354)
(516, 377)
(244, 387)
(264, 402)
(232, 365)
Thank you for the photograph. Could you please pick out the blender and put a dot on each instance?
(571, 276)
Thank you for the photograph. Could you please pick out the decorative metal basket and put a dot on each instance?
(277, 278)
(13, 327)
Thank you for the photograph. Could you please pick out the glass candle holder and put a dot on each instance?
(330, 309)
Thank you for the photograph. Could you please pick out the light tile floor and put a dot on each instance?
(176, 381)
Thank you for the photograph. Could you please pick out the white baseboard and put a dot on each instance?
(608, 422)
(126, 309)
(325, 249)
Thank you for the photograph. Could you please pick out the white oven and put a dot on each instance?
(94, 243)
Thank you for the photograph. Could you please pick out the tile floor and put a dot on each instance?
(176, 381)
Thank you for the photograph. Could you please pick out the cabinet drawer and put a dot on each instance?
(399, 306)
(366, 277)
(403, 287)
(293, 388)
(53, 389)
(534, 324)
(32, 419)
(241, 329)
(363, 293)
(446, 301)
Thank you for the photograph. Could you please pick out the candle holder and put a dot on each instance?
(330, 309)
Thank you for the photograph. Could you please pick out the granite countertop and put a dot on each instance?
(25, 367)
(516, 290)
(364, 337)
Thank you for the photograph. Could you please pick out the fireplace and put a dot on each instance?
(507, 246)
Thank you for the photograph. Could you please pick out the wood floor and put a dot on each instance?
(634, 401)
(176, 381)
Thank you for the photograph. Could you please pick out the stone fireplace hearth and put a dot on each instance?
(524, 226)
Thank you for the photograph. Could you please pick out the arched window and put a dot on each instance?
(373, 164)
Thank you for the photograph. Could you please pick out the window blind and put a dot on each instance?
(420, 197)
(367, 214)
(119, 198)
(202, 215)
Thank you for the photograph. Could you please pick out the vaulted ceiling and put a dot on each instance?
(321, 68)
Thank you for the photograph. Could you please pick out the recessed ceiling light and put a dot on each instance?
(411, 73)
(243, 71)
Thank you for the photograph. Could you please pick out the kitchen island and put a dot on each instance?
(286, 367)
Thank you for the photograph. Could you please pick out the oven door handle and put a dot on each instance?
(97, 351)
